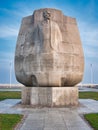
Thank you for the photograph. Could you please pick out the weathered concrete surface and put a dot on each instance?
(50, 96)
(48, 51)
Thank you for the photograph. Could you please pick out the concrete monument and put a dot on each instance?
(49, 58)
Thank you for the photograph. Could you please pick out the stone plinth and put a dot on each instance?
(50, 96)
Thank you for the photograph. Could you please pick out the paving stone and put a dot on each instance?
(79, 128)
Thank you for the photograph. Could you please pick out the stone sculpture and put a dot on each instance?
(49, 58)
(49, 51)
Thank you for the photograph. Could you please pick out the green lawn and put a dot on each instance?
(92, 118)
(10, 95)
(17, 95)
(9, 121)
(88, 95)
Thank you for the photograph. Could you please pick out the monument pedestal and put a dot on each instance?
(50, 96)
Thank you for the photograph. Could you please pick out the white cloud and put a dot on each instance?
(11, 24)
(19, 11)
(89, 34)
(89, 37)
(6, 56)
(8, 31)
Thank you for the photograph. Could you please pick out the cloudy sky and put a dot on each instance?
(86, 13)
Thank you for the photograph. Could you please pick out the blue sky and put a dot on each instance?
(85, 11)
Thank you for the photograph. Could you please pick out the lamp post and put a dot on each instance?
(91, 66)
(10, 73)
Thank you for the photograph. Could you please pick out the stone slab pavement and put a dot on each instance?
(51, 118)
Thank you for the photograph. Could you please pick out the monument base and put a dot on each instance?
(50, 96)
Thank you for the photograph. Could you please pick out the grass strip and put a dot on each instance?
(88, 95)
(17, 95)
(10, 95)
(92, 119)
(9, 121)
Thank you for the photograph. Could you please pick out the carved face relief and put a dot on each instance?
(46, 15)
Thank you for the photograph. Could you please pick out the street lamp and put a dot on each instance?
(10, 73)
(91, 66)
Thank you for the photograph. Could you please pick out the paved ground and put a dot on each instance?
(84, 89)
(52, 118)
(10, 89)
